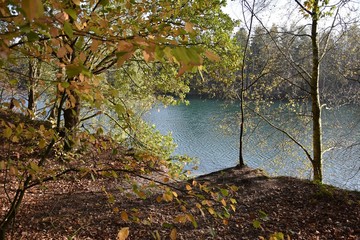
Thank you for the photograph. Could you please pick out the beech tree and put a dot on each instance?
(106, 54)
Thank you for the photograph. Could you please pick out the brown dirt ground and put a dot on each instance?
(77, 207)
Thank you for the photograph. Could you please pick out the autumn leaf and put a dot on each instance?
(61, 52)
(124, 46)
(223, 202)
(123, 233)
(15, 139)
(173, 234)
(2, 165)
(32, 8)
(212, 56)
(181, 219)
(148, 56)
(94, 45)
(34, 166)
(76, 2)
(124, 216)
(189, 27)
(168, 197)
(211, 211)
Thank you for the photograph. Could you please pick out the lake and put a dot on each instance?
(208, 131)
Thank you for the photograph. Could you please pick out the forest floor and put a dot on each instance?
(80, 207)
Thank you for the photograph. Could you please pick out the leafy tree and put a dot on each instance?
(110, 57)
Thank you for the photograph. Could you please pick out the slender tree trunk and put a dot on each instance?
(33, 75)
(242, 121)
(31, 94)
(242, 88)
(315, 97)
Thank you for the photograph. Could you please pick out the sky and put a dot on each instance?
(283, 12)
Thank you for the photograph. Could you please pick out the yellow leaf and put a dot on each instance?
(42, 143)
(168, 197)
(42, 128)
(211, 211)
(175, 194)
(34, 166)
(223, 202)
(124, 216)
(123, 233)
(181, 219)
(16, 103)
(7, 132)
(173, 234)
(189, 27)
(15, 139)
(188, 187)
(77, 2)
(2, 165)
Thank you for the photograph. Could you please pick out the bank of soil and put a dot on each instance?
(77, 207)
(299, 209)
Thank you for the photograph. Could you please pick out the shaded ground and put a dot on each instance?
(296, 208)
(80, 208)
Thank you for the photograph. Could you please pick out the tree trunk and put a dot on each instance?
(71, 120)
(11, 213)
(315, 98)
(242, 121)
(33, 75)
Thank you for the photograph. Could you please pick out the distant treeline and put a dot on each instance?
(278, 61)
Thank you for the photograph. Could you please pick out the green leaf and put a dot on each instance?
(119, 109)
(34, 166)
(263, 215)
(42, 143)
(68, 29)
(277, 236)
(73, 70)
(256, 223)
(7, 132)
(104, 2)
(32, 36)
(224, 192)
(65, 84)
(72, 13)
(167, 225)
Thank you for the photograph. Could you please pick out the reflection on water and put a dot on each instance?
(197, 132)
